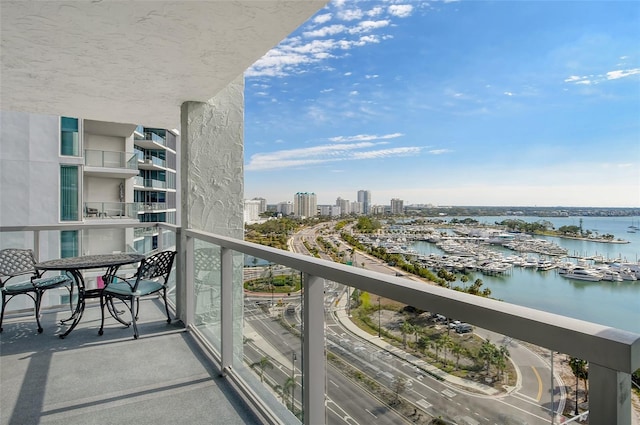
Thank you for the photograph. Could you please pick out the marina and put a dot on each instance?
(588, 280)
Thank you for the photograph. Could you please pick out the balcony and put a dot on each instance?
(152, 163)
(110, 164)
(111, 210)
(151, 141)
(141, 183)
(149, 207)
(238, 331)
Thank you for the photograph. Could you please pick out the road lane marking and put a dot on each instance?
(539, 383)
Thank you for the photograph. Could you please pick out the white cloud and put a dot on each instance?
(508, 93)
(596, 79)
(321, 19)
(342, 148)
(400, 10)
(364, 137)
(614, 75)
(353, 93)
(350, 14)
(439, 151)
(385, 153)
(368, 26)
(376, 11)
(325, 31)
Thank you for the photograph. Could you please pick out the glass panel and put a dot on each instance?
(69, 243)
(273, 332)
(207, 278)
(68, 193)
(69, 139)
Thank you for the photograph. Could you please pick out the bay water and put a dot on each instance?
(615, 304)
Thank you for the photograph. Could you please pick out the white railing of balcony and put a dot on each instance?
(119, 210)
(107, 159)
(612, 354)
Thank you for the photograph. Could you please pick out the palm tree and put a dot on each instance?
(446, 343)
(486, 353)
(405, 329)
(580, 371)
(288, 388)
(500, 359)
(262, 364)
(438, 343)
(457, 351)
(417, 330)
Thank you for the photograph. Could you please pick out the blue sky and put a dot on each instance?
(451, 103)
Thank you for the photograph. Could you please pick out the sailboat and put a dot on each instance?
(633, 227)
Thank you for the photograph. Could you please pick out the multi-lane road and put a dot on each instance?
(529, 402)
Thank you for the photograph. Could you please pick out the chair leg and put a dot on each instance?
(38, 301)
(134, 313)
(103, 301)
(4, 301)
(166, 306)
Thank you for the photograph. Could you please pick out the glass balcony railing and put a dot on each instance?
(311, 341)
(144, 207)
(111, 210)
(155, 138)
(106, 159)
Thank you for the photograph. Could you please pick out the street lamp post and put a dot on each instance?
(293, 379)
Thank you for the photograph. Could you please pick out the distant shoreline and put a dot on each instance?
(600, 240)
(582, 238)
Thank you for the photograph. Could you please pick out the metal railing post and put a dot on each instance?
(226, 309)
(609, 396)
(189, 289)
(313, 351)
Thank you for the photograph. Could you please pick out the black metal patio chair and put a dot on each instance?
(151, 277)
(20, 263)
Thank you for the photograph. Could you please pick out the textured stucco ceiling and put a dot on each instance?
(133, 61)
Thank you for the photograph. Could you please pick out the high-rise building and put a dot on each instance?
(154, 189)
(285, 208)
(397, 206)
(90, 171)
(364, 197)
(356, 208)
(305, 204)
(263, 204)
(345, 206)
(252, 210)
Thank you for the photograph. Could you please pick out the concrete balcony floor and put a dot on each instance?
(162, 377)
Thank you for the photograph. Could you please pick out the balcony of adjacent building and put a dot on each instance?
(110, 164)
(111, 210)
(299, 355)
(149, 139)
(153, 185)
(150, 162)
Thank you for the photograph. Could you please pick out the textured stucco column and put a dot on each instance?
(212, 182)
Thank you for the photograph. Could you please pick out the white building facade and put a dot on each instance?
(305, 204)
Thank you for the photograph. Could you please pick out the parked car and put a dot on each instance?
(454, 324)
(464, 328)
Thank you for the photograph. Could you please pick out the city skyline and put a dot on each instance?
(450, 103)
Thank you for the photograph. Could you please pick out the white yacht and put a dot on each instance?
(583, 273)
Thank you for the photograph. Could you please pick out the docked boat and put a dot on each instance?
(583, 273)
